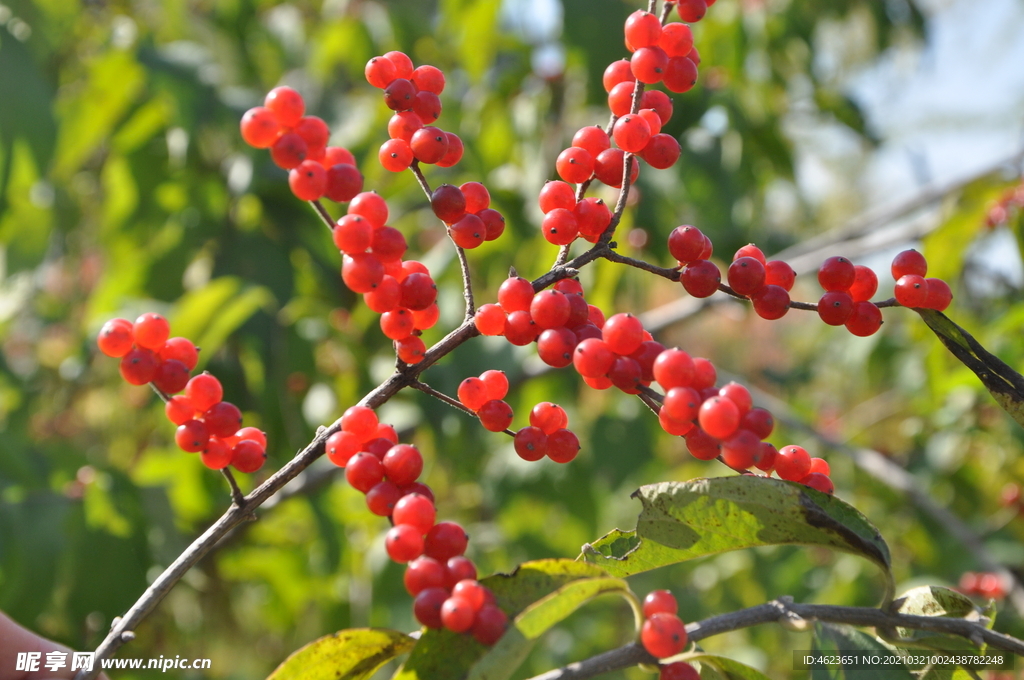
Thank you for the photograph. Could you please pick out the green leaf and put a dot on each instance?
(935, 601)
(346, 655)
(536, 596)
(727, 668)
(684, 520)
(1005, 384)
(209, 315)
(830, 639)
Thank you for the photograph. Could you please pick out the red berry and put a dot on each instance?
(592, 218)
(402, 126)
(395, 155)
(865, 319)
(308, 180)
(397, 324)
(673, 368)
(835, 308)
(663, 635)
(680, 74)
(385, 297)
(701, 445)
(766, 455)
(626, 374)
(909, 262)
(623, 333)
(591, 138)
(151, 331)
(382, 497)
(686, 244)
(115, 338)
(477, 196)
(496, 382)
(704, 374)
(608, 167)
(520, 329)
(380, 72)
(286, 104)
(315, 133)
(615, 73)
(415, 510)
(555, 194)
(792, 463)
(495, 415)
(531, 443)
(403, 464)
(429, 78)
(771, 302)
(469, 232)
(364, 471)
(659, 101)
(631, 133)
(454, 153)
(289, 150)
(180, 349)
(260, 127)
(448, 203)
(819, 481)
(457, 614)
(489, 625)
(494, 223)
(575, 165)
(360, 421)
(759, 421)
(692, 11)
(592, 358)
(649, 64)
(741, 450)
(701, 278)
(837, 274)
(179, 410)
(248, 456)
(676, 39)
(429, 144)
(912, 291)
(662, 151)
(550, 309)
(679, 671)
(423, 573)
(473, 393)
(403, 542)
(681, 404)
(642, 29)
(490, 319)
(399, 94)
(548, 417)
(779, 273)
(660, 602)
(819, 465)
(865, 283)
(939, 295)
(515, 295)
(410, 350)
(445, 540)
(223, 419)
(344, 182)
(418, 291)
(559, 227)
(204, 390)
(427, 606)
(746, 275)
(719, 417)
(341, 446)
(217, 455)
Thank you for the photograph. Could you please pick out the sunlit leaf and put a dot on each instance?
(346, 655)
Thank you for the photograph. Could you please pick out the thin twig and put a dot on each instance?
(781, 609)
(321, 211)
(236, 494)
(437, 394)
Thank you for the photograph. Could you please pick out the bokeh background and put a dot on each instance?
(125, 187)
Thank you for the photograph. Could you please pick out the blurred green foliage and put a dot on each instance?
(124, 187)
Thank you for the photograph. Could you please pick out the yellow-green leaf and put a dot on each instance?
(346, 655)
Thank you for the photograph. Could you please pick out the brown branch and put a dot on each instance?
(321, 211)
(783, 609)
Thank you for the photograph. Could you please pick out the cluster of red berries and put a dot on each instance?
(467, 212)
(661, 54)
(983, 584)
(403, 292)
(547, 435)
(913, 289)
(565, 218)
(441, 579)
(413, 94)
(1010, 203)
(206, 424)
(663, 633)
(298, 143)
(483, 396)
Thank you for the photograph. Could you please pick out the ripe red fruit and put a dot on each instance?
(673, 368)
(259, 127)
(615, 73)
(490, 319)
(454, 153)
(550, 308)
(740, 450)
(248, 456)
(759, 421)
(468, 232)
(315, 133)
(680, 74)
(385, 297)
(429, 78)
(489, 625)
(548, 417)
(681, 404)
(223, 419)
(642, 29)
(563, 445)
(909, 262)
(837, 274)
(663, 635)
(679, 671)
(192, 436)
(403, 542)
(692, 11)
(361, 272)
(592, 358)
(649, 64)
(515, 294)
(701, 445)
(771, 302)
(556, 194)
(676, 39)
(395, 155)
(410, 350)
(662, 151)
(555, 346)
(865, 319)
(631, 133)
(382, 497)
(608, 167)
(179, 410)
(397, 324)
(660, 602)
(911, 291)
(217, 455)
(531, 443)
(286, 104)
(779, 273)
(403, 464)
(746, 275)
(151, 331)
(477, 196)
(559, 227)
(472, 393)
(445, 540)
(575, 165)
(496, 382)
(701, 278)
(364, 471)
(939, 295)
(448, 203)
(115, 338)
(792, 463)
(344, 182)
(423, 573)
(686, 243)
(341, 446)
(765, 459)
(820, 465)
(520, 329)
(402, 126)
(470, 590)
(591, 138)
(835, 308)
(660, 102)
(427, 607)
(204, 390)
(399, 94)
(429, 144)
(865, 283)
(180, 349)
(457, 614)
(361, 421)
(626, 374)
(495, 415)
(379, 72)
(623, 333)
(418, 291)
(415, 510)
(289, 150)
(819, 481)
(308, 180)
(719, 417)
